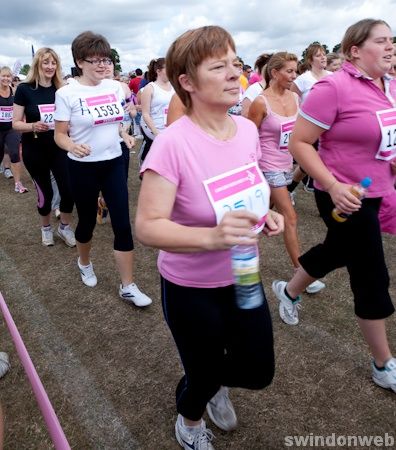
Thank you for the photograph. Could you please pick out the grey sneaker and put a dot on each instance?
(47, 237)
(67, 236)
(288, 310)
(4, 364)
(87, 273)
(221, 411)
(315, 287)
(8, 173)
(385, 378)
(200, 440)
(133, 294)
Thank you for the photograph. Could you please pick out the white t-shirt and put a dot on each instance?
(71, 106)
(253, 91)
(305, 81)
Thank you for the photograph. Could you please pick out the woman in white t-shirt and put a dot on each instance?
(88, 120)
(155, 99)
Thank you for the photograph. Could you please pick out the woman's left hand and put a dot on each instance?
(275, 224)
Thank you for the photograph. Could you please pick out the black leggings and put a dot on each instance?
(219, 344)
(11, 139)
(357, 245)
(40, 160)
(87, 180)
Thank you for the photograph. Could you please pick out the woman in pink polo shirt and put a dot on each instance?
(219, 344)
(354, 144)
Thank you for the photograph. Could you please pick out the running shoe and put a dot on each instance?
(87, 273)
(315, 287)
(57, 213)
(20, 188)
(199, 440)
(386, 378)
(103, 212)
(8, 173)
(292, 196)
(67, 235)
(288, 309)
(47, 236)
(132, 294)
(221, 411)
(4, 364)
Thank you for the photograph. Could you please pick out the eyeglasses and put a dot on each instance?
(96, 62)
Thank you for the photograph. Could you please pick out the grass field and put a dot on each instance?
(110, 369)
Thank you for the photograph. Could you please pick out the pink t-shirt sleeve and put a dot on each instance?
(162, 159)
(321, 105)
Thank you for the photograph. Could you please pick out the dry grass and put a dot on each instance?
(110, 369)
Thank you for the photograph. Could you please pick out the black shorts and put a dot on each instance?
(357, 245)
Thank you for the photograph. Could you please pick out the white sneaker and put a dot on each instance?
(8, 173)
(288, 310)
(385, 378)
(67, 235)
(47, 237)
(315, 287)
(200, 440)
(131, 293)
(4, 364)
(20, 188)
(292, 196)
(221, 411)
(87, 273)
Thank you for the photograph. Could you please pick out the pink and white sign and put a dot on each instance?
(286, 130)
(387, 122)
(47, 114)
(6, 114)
(105, 109)
(242, 188)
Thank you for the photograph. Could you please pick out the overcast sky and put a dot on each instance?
(144, 29)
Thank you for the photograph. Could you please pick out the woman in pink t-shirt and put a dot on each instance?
(219, 344)
(274, 113)
(353, 144)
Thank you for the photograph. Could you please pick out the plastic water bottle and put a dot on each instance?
(359, 191)
(249, 291)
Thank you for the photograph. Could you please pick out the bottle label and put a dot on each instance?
(246, 271)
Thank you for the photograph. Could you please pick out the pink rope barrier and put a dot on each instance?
(54, 428)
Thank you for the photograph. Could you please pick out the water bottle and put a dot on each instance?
(359, 191)
(249, 291)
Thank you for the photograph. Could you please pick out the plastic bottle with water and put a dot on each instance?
(359, 191)
(249, 292)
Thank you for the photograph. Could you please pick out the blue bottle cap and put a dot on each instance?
(366, 182)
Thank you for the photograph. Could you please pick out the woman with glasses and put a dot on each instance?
(33, 112)
(88, 120)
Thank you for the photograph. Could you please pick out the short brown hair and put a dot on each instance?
(312, 50)
(88, 44)
(356, 35)
(190, 49)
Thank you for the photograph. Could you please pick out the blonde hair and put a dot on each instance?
(356, 35)
(33, 75)
(6, 69)
(189, 50)
(277, 62)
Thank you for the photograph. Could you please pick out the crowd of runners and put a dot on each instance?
(201, 115)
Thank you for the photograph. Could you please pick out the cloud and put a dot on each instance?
(141, 31)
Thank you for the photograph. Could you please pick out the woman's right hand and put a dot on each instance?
(39, 127)
(80, 150)
(343, 198)
(235, 228)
